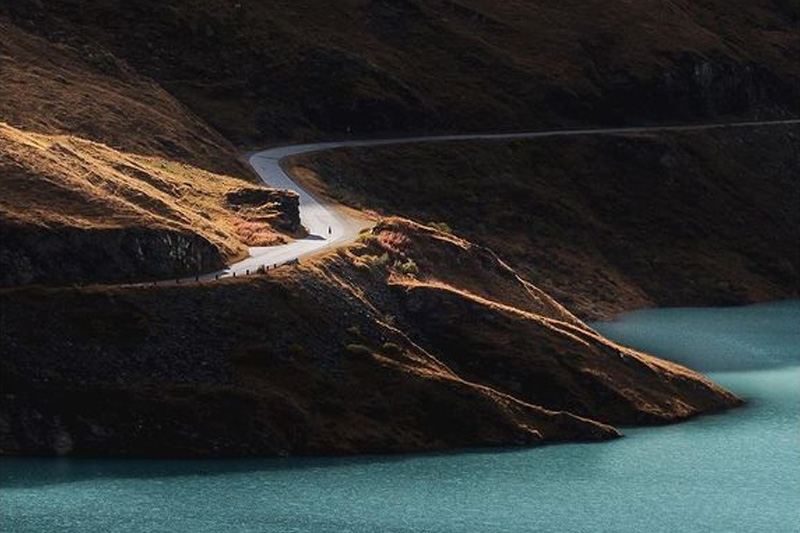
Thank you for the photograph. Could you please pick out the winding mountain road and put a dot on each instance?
(329, 227)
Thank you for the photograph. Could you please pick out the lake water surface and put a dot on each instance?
(734, 472)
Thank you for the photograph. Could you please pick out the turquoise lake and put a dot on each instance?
(734, 472)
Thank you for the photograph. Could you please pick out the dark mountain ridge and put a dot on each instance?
(289, 69)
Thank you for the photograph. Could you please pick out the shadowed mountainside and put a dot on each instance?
(603, 223)
(410, 340)
(297, 69)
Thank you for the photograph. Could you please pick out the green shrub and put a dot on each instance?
(409, 267)
(376, 261)
(367, 238)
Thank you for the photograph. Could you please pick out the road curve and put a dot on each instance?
(329, 227)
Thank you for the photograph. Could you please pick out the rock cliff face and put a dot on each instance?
(410, 340)
(280, 209)
(694, 88)
(39, 255)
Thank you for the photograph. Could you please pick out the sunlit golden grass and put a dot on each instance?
(87, 142)
(62, 180)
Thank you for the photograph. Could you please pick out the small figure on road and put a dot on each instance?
(329, 230)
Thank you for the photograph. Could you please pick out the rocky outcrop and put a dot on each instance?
(39, 255)
(495, 328)
(410, 340)
(690, 88)
(281, 209)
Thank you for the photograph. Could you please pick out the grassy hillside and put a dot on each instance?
(118, 122)
(409, 340)
(105, 176)
(604, 223)
(303, 68)
(84, 91)
(153, 82)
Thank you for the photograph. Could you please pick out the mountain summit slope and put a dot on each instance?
(291, 69)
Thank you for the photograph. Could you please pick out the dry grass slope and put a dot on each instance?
(89, 146)
(59, 180)
(345, 354)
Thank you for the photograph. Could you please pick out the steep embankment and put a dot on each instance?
(410, 340)
(603, 223)
(297, 69)
(106, 177)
